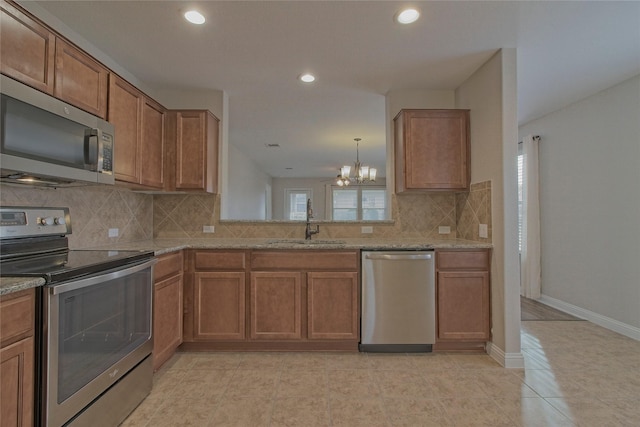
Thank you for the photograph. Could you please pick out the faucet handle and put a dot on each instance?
(309, 209)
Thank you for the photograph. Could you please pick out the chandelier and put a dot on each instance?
(361, 173)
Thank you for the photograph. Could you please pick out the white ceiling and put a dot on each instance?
(255, 50)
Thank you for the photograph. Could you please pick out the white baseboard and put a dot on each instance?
(598, 319)
(508, 360)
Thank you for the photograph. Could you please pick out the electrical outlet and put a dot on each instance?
(444, 229)
(483, 231)
(208, 229)
(366, 229)
(114, 232)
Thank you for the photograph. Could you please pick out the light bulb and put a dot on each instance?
(408, 16)
(194, 17)
(307, 78)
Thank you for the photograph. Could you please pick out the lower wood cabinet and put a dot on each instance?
(332, 305)
(167, 307)
(463, 298)
(215, 297)
(17, 313)
(276, 305)
(271, 300)
(219, 305)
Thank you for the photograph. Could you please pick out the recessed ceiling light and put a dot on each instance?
(307, 78)
(407, 16)
(194, 17)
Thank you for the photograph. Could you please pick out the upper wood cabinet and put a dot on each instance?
(37, 57)
(193, 153)
(28, 49)
(80, 80)
(125, 113)
(432, 150)
(139, 140)
(152, 144)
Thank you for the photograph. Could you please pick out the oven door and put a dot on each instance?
(98, 329)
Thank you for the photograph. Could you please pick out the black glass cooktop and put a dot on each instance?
(67, 265)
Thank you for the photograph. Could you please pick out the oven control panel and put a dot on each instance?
(33, 221)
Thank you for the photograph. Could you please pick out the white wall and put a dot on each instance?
(590, 202)
(192, 99)
(490, 94)
(249, 187)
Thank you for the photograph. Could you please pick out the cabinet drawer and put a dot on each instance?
(16, 316)
(304, 260)
(206, 260)
(463, 260)
(168, 265)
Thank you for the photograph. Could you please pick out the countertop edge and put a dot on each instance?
(164, 246)
(9, 285)
(159, 247)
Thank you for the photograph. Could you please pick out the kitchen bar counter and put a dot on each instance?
(163, 246)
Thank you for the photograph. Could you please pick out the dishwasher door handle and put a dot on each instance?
(399, 257)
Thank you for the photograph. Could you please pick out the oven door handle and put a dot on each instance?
(94, 280)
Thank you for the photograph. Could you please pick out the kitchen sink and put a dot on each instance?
(305, 242)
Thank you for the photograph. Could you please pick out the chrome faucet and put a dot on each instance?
(308, 232)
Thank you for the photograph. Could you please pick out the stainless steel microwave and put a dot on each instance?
(44, 141)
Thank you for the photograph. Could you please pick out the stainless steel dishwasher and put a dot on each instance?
(398, 301)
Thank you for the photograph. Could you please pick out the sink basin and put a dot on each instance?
(304, 242)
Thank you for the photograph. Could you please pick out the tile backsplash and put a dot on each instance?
(474, 208)
(96, 209)
(93, 209)
(415, 216)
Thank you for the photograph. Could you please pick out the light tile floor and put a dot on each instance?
(577, 374)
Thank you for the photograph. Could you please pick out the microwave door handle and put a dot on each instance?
(91, 142)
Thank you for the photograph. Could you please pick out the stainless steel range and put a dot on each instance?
(94, 344)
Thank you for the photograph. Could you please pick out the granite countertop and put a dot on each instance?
(14, 284)
(163, 246)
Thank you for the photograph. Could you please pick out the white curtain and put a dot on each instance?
(530, 250)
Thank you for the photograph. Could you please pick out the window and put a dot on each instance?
(520, 194)
(358, 203)
(295, 203)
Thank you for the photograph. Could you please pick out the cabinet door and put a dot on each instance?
(167, 319)
(332, 305)
(125, 113)
(28, 49)
(276, 305)
(152, 144)
(219, 306)
(463, 305)
(196, 151)
(432, 150)
(80, 79)
(16, 383)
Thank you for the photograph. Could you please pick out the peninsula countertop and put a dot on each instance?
(162, 246)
